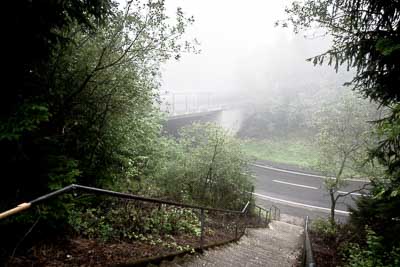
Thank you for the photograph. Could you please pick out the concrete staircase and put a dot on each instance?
(278, 245)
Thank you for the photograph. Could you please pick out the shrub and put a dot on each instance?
(205, 166)
(373, 254)
(324, 228)
(116, 220)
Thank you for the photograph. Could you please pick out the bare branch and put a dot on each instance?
(340, 195)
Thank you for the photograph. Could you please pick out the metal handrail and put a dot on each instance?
(277, 213)
(202, 216)
(74, 187)
(245, 207)
(267, 213)
(308, 259)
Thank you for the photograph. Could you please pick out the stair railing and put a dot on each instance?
(73, 188)
(308, 259)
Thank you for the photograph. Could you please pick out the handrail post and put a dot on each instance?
(270, 214)
(201, 228)
(236, 227)
(266, 216)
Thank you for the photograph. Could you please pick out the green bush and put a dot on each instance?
(205, 166)
(324, 228)
(373, 254)
(116, 220)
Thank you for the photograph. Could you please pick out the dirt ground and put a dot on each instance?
(85, 252)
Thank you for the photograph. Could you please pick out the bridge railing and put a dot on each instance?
(214, 223)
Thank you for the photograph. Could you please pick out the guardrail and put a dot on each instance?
(308, 259)
(202, 210)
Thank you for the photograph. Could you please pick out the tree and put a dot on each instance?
(206, 166)
(105, 84)
(33, 29)
(91, 118)
(344, 136)
(366, 36)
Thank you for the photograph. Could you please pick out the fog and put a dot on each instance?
(244, 56)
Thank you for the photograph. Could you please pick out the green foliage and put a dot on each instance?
(324, 227)
(387, 152)
(365, 36)
(28, 119)
(380, 214)
(83, 111)
(64, 172)
(93, 121)
(344, 135)
(296, 151)
(25, 103)
(206, 166)
(120, 220)
(374, 254)
(387, 47)
(105, 84)
(277, 119)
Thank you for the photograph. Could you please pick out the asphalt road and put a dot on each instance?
(299, 193)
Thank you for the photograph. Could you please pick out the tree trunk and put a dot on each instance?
(333, 205)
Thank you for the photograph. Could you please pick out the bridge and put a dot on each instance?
(185, 104)
(184, 108)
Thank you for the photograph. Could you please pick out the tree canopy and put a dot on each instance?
(81, 108)
(366, 36)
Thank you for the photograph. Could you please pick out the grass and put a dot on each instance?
(293, 151)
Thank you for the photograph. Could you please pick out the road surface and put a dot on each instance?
(297, 192)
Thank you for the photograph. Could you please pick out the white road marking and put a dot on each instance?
(301, 173)
(344, 192)
(292, 172)
(299, 185)
(313, 187)
(299, 204)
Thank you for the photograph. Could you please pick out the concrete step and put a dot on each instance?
(279, 245)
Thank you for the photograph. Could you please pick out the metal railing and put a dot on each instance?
(235, 214)
(266, 217)
(308, 259)
(275, 213)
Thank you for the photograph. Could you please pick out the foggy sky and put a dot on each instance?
(243, 53)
